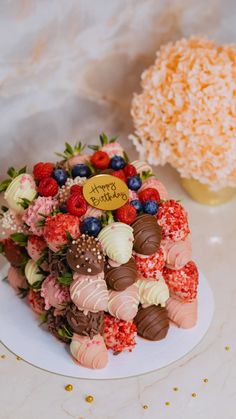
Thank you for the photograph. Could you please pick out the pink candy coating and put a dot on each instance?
(89, 293)
(35, 247)
(16, 279)
(113, 149)
(31, 217)
(124, 304)
(90, 353)
(54, 294)
(177, 254)
(182, 314)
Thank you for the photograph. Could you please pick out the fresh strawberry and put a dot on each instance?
(100, 160)
(76, 204)
(120, 174)
(48, 187)
(42, 170)
(130, 170)
(149, 194)
(77, 189)
(126, 214)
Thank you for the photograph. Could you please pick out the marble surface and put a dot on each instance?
(68, 70)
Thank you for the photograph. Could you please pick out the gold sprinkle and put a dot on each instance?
(194, 395)
(227, 348)
(145, 406)
(167, 403)
(18, 358)
(69, 387)
(3, 356)
(205, 380)
(89, 399)
(175, 389)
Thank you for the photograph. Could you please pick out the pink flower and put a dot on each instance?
(32, 216)
(54, 294)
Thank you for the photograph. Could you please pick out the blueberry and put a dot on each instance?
(117, 163)
(150, 207)
(80, 170)
(91, 226)
(134, 183)
(60, 176)
(137, 205)
(63, 209)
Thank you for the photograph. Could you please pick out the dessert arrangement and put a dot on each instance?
(99, 251)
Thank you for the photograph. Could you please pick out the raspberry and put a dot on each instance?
(100, 160)
(120, 174)
(76, 205)
(149, 194)
(119, 335)
(126, 214)
(42, 170)
(130, 170)
(183, 282)
(76, 189)
(173, 220)
(48, 187)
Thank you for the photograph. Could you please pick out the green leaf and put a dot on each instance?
(113, 139)
(19, 238)
(94, 147)
(69, 236)
(60, 155)
(1, 247)
(69, 149)
(41, 223)
(24, 202)
(126, 157)
(4, 209)
(22, 170)
(90, 166)
(146, 175)
(43, 318)
(64, 332)
(41, 260)
(4, 184)
(22, 292)
(79, 147)
(36, 285)
(12, 172)
(103, 138)
(65, 279)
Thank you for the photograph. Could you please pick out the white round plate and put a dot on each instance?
(20, 333)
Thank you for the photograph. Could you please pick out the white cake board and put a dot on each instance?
(21, 334)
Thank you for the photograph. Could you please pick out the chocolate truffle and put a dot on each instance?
(147, 234)
(121, 277)
(85, 256)
(152, 322)
(90, 324)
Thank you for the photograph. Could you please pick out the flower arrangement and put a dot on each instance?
(96, 276)
(186, 112)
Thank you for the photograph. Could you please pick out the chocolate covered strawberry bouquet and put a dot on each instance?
(99, 250)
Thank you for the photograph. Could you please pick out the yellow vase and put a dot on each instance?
(202, 193)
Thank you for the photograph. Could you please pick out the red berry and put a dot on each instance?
(100, 160)
(15, 254)
(42, 170)
(120, 174)
(48, 187)
(126, 214)
(77, 189)
(130, 170)
(149, 194)
(76, 205)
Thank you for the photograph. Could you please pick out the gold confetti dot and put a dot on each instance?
(167, 403)
(145, 406)
(205, 380)
(194, 395)
(175, 389)
(3, 356)
(18, 358)
(69, 387)
(227, 348)
(89, 399)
